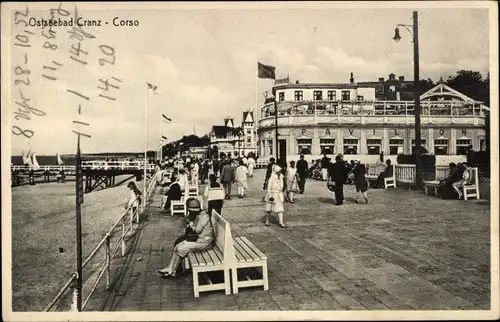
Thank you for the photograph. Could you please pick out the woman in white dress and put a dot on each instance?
(292, 179)
(274, 196)
(134, 199)
(241, 178)
(251, 166)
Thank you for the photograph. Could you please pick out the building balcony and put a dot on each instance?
(371, 112)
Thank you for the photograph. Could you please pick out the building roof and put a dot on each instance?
(441, 89)
(222, 130)
(248, 117)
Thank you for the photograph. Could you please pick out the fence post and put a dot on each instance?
(76, 295)
(124, 246)
(108, 263)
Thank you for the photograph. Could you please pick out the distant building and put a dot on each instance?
(240, 140)
(367, 118)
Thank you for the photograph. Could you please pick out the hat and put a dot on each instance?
(193, 204)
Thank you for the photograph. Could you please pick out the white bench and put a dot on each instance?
(373, 173)
(247, 255)
(219, 258)
(441, 173)
(228, 254)
(192, 191)
(470, 190)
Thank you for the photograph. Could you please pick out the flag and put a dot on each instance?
(153, 87)
(166, 118)
(164, 137)
(266, 71)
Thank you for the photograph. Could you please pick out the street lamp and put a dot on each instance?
(414, 32)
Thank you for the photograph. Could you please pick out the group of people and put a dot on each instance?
(458, 176)
(185, 173)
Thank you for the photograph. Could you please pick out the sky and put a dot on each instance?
(204, 63)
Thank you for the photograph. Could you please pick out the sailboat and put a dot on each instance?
(59, 161)
(27, 159)
(36, 166)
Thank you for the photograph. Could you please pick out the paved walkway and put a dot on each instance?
(402, 251)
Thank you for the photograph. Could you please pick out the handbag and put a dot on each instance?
(190, 235)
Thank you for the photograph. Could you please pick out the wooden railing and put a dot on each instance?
(126, 222)
(405, 173)
(93, 165)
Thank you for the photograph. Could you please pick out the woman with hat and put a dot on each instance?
(359, 170)
(274, 196)
(199, 236)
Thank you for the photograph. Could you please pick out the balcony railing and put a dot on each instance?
(367, 108)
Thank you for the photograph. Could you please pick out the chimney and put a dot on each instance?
(401, 78)
(351, 80)
(392, 76)
(296, 82)
(380, 79)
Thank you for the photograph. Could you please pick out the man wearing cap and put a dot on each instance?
(199, 226)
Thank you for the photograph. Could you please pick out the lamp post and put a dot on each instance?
(416, 77)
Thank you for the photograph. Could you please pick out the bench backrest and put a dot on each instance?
(223, 237)
(193, 191)
(442, 173)
(474, 177)
(374, 169)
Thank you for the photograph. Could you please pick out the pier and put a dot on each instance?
(96, 173)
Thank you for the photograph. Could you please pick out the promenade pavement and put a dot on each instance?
(402, 251)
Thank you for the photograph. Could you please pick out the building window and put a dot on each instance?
(299, 96)
(327, 146)
(270, 145)
(441, 147)
(281, 96)
(304, 146)
(374, 146)
(482, 145)
(332, 95)
(360, 98)
(346, 95)
(249, 140)
(318, 95)
(396, 146)
(463, 146)
(249, 132)
(350, 146)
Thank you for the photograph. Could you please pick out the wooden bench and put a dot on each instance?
(469, 190)
(219, 258)
(192, 191)
(247, 255)
(228, 254)
(373, 173)
(441, 174)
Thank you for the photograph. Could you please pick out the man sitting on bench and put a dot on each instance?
(174, 192)
(387, 173)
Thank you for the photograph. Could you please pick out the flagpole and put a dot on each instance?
(161, 137)
(145, 143)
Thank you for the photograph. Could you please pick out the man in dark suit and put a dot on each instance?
(337, 173)
(302, 168)
(387, 173)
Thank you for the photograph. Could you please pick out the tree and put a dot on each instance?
(472, 84)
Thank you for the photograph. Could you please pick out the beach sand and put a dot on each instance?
(43, 220)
